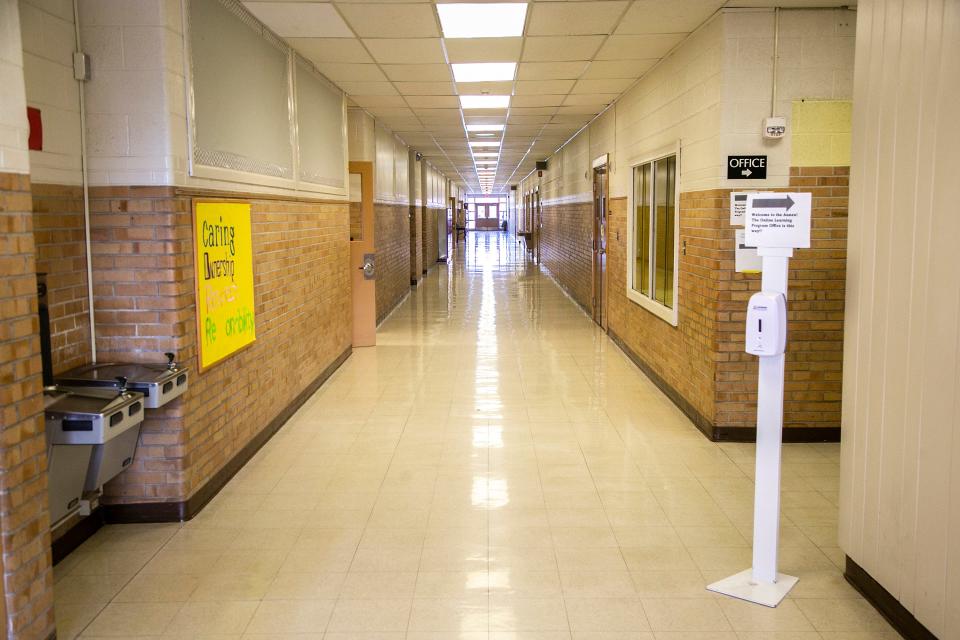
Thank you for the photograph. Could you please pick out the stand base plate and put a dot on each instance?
(742, 586)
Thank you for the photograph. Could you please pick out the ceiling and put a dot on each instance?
(572, 58)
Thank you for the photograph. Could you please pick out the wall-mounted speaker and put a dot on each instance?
(541, 165)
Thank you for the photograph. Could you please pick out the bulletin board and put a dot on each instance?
(223, 264)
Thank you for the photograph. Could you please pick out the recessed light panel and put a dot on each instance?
(484, 143)
(484, 71)
(484, 102)
(473, 128)
(482, 20)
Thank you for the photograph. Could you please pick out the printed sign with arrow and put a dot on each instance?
(746, 167)
(778, 220)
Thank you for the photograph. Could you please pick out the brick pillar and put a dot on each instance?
(24, 517)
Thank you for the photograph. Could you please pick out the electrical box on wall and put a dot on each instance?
(774, 128)
(767, 324)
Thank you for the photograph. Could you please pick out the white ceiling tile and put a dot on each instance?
(428, 116)
(532, 111)
(483, 49)
(379, 101)
(338, 71)
(301, 19)
(639, 47)
(391, 112)
(551, 70)
(553, 100)
(319, 50)
(433, 102)
(425, 88)
(574, 18)
(578, 99)
(602, 86)
(367, 88)
(601, 69)
(543, 87)
(388, 20)
(523, 130)
(485, 88)
(666, 16)
(520, 119)
(406, 50)
(559, 48)
(417, 72)
(581, 110)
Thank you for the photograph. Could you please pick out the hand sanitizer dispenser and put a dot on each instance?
(767, 324)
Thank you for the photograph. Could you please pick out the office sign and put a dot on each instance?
(746, 167)
(778, 220)
(223, 262)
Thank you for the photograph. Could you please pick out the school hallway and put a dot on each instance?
(494, 468)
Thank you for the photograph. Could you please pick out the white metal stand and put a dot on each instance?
(761, 583)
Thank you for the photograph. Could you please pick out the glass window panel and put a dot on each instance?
(665, 177)
(641, 236)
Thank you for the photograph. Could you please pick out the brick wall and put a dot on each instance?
(61, 254)
(683, 356)
(566, 247)
(430, 254)
(416, 243)
(392, 237)
(702, 359)
(24, 518)
(145, 305)
(814, 366)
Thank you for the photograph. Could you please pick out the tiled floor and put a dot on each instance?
(494, 469)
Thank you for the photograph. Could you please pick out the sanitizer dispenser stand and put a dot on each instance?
(762, 583)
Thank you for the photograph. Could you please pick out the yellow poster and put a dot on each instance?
(224, 268)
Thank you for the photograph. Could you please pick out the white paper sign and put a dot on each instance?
(747, 260)
(738, 207)
(780, 220)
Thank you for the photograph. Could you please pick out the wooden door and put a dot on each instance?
(363, 255)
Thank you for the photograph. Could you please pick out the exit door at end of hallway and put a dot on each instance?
(599, 306)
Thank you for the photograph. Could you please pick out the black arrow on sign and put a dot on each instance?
(774, 203)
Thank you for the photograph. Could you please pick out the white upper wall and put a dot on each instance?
(711, 95)
(49, 41)
(14, 131)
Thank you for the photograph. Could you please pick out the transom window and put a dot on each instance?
(653, 237)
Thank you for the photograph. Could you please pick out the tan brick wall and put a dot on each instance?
(416, 243)
(392, 237)
(24, 517)
(430, 254)
(683, 355)
(61, 254)
(817, 286)
(145, 283)
(702, 359)
(566, 247)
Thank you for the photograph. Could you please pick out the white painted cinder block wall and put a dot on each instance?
(712, 94)
(14, 157)
(49, 40)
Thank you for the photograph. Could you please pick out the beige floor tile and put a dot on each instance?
(88, 590)
(166, 587)
(291, 616)
(73, 618)
(305, 586)
(134, 619)
(842, 615)
(527, 614)
(587, 559)
(210, 618)
(685, 614)
(746, 616)
(219, 587)
(449, 614)
(606, 614)
(371, 615)
(670, 584)
(363, 585)
(596, 584)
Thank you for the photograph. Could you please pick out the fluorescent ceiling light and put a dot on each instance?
(486, 155)
(484, 71)
(484, 143)
(484, 102)
(494, 20)
(484, 127)
(484, 135)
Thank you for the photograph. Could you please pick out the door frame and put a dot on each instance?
(362, 334)
(601, 225)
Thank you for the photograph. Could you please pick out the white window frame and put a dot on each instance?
(650, 304)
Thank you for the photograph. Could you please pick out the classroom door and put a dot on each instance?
(600, 245)
(363, 255)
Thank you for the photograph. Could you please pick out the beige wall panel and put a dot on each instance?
(900, 471)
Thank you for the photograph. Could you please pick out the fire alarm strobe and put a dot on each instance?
(774, 128)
